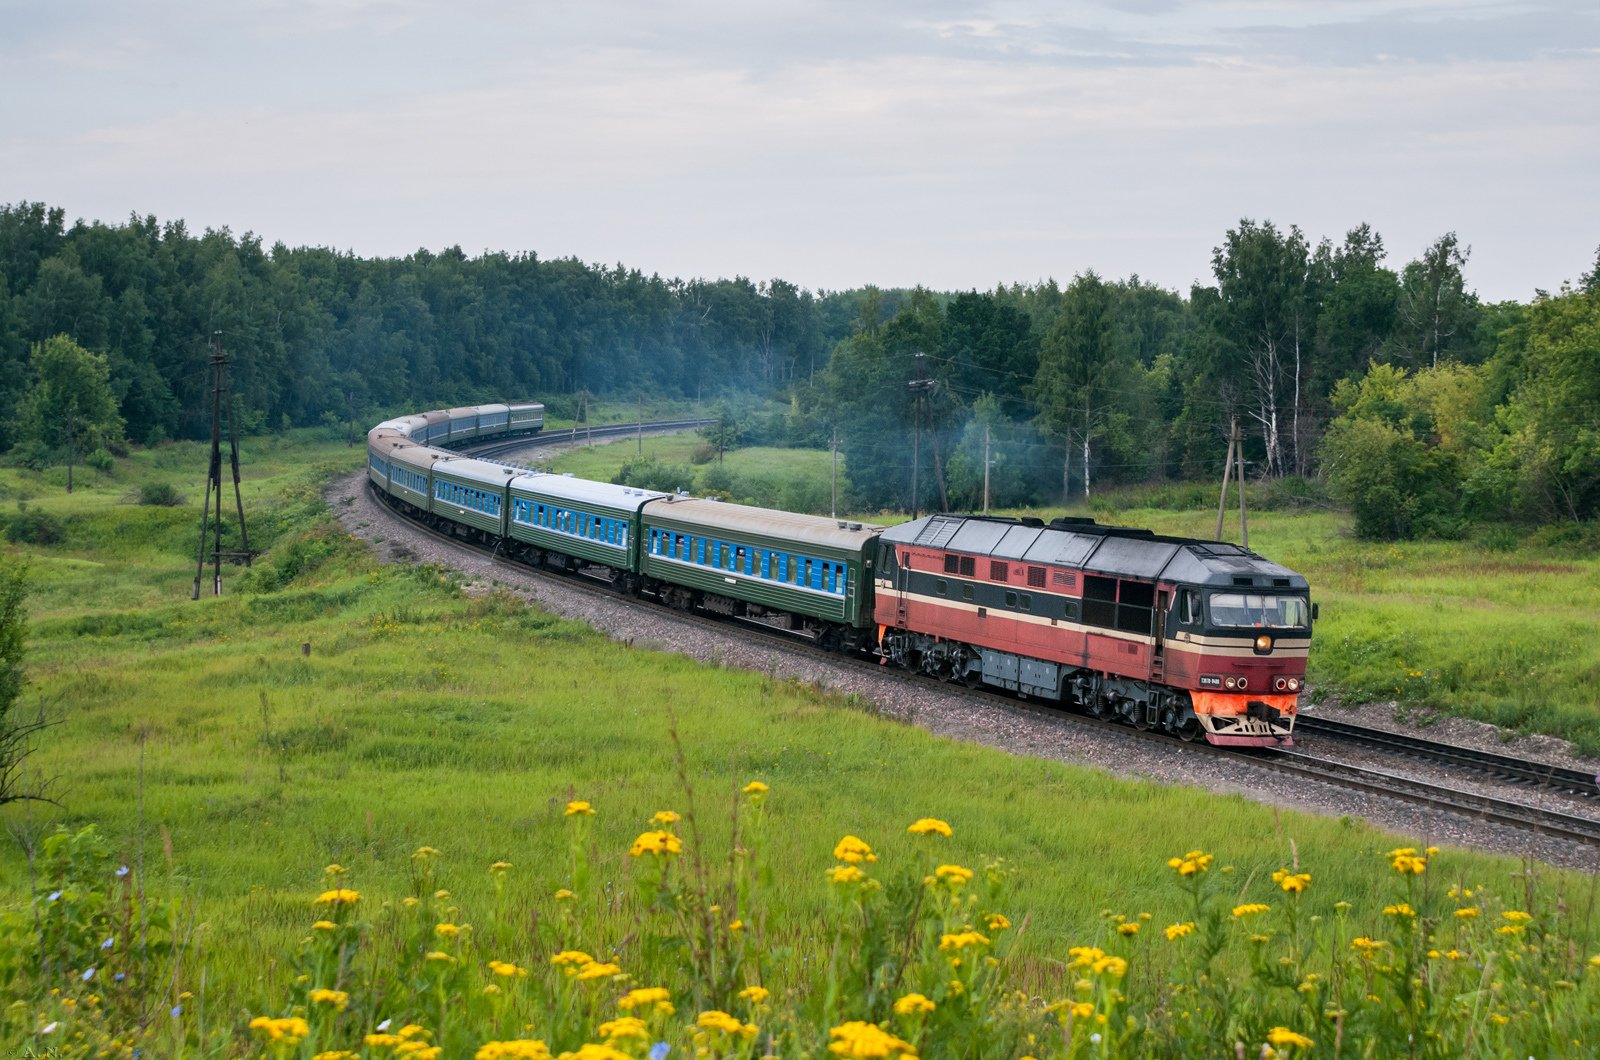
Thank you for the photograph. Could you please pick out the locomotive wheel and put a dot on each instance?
(1189, 730)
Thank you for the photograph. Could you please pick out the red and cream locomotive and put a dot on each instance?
(1197, 638)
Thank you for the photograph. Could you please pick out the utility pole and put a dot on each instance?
(986, 469)
(219, 387)
(1244, 513)
(640, 434)
(833, 447)
(72, 443)
(1227, 473)
(919, 388)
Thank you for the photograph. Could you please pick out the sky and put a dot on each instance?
(832, 144)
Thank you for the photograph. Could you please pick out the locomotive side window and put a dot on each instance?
(998, 571)
(1099, 601)
(951, 564)
(1036, 577)
(966, 592)
(968, 566)
(941, 587)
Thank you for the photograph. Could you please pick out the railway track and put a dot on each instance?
(1502, 768)
(1506, 812)
(573, 435)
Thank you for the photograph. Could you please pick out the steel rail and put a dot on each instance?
(572, 435)
(1503, 768)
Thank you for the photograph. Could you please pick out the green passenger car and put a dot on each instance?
(802, 564)
(472, 493)
(592, 521)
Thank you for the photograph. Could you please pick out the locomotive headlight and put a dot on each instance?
(1232, 682)
(1263, 643)
(1294, 684)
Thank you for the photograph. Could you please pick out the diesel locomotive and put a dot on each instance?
(1202, 639)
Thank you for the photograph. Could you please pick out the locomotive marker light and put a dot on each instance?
(1263, 644)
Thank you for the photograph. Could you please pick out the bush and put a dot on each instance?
(703, 453)
(34, 527)
(160, 494)
(651, 474)
(101, 459)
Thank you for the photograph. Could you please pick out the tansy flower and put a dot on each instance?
(1284, 1036)
(1405, 861)
(624, 1027)
(997, 922)
(754, 994)
(507, 969)
(324, 925)
(929, 826)
(337, 998)
(1084, 956)
(288, 1030)
(1402, 909)
(736, 926)
(1249, 909)
(596, 970)
(500, 868)
(666, 817)
(424, 854)
(961, 940)
(335, 869)
(520, 1049)
(1291, 882)
(845, 874)
(659, 843)
(440, 957)
(954, 875)
(1467, 913)
(1178, 931)
(446, 931)
(644, 996)
(860, 1039)
(1366, 946)
(913, 1005)
(571, 958)
(755, 789)
(564, 895)
(852, 850)
(1192, 862)
(578, 807)
(1130, 928)
(338, 896)
(1515, 916)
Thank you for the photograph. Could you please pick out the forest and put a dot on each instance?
(1391, 389)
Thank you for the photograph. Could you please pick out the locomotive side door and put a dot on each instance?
(1158, 654)
(902, 582)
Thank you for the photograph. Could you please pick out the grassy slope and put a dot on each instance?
(424, 716)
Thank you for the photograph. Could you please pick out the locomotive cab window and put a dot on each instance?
(1260, 611)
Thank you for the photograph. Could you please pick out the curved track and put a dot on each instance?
(1328, 771)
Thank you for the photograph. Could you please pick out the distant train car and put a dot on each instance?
(524, 417)
(1196, 637)
(731, 559)
(411, 474)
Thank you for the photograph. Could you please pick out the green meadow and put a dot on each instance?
(228, 767)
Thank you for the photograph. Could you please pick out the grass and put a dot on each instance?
(209, 750)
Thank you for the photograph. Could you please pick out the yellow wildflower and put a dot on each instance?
(519, 1049)
(735, 927)
(913, 1005)
(338, 896)
(324, 925)
(1178, 931)
(287, 1030)
(447, 931)
(335, 869)
(335, 1054)
(954, 875)
(337, 998)
(853, 850)
(1400, 909)
(1467, 913)
(860, 1039)
(507, 969)
(500, 868)
(755, 788)
(754, 994)
(424, 854)
(564, 895)
(1114, 966)
(961, 941)
(597, 970)
(571, 957)
(997, 922)
(1291, 882)
(1130, 928)
(1515, 916)
(1509, 929)
(1405, 861)
(1367, 947)
(659, 843)
(1249, 909)
(1281, 1036)
(1192, 862)
(415, 1030)
(440, 957)
(590, 1051)
(929, 826)
(624, 1027)
(845, 874)
(665, 817)
(577, 808)
(717, 1020)
(641, 996)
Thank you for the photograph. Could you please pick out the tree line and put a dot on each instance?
(1412, 399)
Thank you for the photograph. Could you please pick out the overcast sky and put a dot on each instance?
(954, 145)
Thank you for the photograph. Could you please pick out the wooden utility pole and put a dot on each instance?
(72, 444)
(985, 470)
(833, 447)
(1244, 514)
(219, 387)
(919, 387)
(1227, 473)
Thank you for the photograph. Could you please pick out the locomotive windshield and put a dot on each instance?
(1260, 611)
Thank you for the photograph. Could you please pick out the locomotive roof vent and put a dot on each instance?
(1033, 521)
(855, 526)
(843, 525)
(1237, 580)
(1282, 583)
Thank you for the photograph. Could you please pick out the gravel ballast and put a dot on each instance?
(1015, 728)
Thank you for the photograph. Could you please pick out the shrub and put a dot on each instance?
(160, 494)
(101, 460)
(35, 527)
(651, 474)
